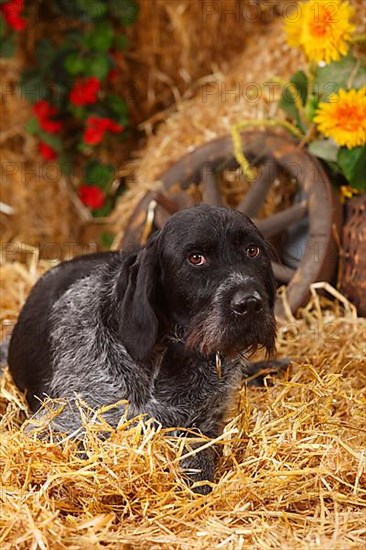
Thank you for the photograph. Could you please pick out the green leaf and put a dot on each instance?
(107, 240)
(101, 38)
(119, 107)
(120, 42)
(32, 126)
(51, 140)
(325, 149)
(346, 73)
(287, 101)
(7, 46)
(92, 9)
(300, 81)
(125, 10)
(32, 87)
(45, 55)
(311, 107)
(98, 66)
(335, 171)
(97, 173)
(84, 148)
(66, 165)
(74, 63)
(78, 111)
(353, 165)
(105, 210)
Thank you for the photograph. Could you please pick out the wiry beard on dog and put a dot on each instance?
(220, 329)
(208, 334)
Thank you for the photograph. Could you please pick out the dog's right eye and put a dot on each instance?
(196, 259)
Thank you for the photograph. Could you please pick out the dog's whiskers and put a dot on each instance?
(218, 364)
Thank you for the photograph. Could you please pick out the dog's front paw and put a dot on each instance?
(199, 470)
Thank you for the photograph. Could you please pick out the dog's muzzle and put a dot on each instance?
(246, 303)
(239, 318)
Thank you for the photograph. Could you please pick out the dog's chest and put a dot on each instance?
(190, 388)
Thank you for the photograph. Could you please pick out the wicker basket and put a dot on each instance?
(353, 270)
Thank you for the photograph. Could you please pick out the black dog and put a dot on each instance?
(148, 326)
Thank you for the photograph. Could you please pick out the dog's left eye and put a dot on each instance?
(252, 251)
(197, 259)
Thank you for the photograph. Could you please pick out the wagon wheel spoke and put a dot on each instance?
(256, 195)
(168, 204)
(281, 220)
(282, 273)
(211, 193)
(161, 216)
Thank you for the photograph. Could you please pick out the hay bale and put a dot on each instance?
(292, 476)
(174, 44)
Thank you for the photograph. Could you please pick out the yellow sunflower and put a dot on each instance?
(322, 28)
(344, 117)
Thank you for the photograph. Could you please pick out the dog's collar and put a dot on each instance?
(177, 337)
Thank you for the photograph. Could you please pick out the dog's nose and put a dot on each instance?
(246, 303)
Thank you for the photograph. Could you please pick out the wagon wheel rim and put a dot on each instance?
(320, 205)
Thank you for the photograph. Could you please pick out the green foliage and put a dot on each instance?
(325, 149)
(32, 86)
(314, 86)
(52, 140)
(118, 107)
(91, 10)
(346, 73)
(66, 164)
(125, 10)
(104, 211)
(7, 46)
(75, 63)
(45, 55)
(287, 101)
(32, 126)
(353, 165)
(311, 107)
(97, 173)
(120, 41)
(60, 69)
(78, 112)
(101, 37)
(2, 26)
(98, 65)
(106, 240)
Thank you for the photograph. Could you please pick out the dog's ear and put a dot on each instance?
(138, 321)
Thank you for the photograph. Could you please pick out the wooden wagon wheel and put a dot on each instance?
(270, 152)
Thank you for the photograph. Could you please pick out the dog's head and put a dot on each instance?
(207, 271)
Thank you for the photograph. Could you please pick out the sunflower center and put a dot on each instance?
(322, 23)
(349, 117)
